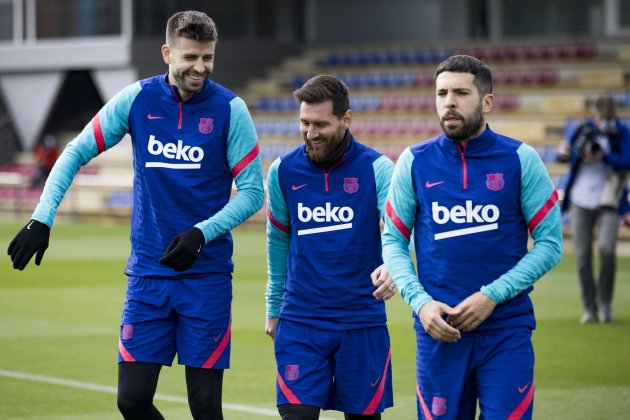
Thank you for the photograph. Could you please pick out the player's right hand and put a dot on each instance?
(33, 238)
(432, 318)
(270, 327)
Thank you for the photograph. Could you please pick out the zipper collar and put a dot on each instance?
(472, 147)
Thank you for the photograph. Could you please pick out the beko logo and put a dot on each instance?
(341, 215)
(174, 151)
(469, 213)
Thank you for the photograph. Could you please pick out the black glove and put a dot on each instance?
(33, 238)
(183, 250)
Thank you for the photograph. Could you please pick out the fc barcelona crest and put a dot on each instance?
(438, 407)
(127, 332)
(495, 182)
(351, 185)
(206, 125)
(292, 372)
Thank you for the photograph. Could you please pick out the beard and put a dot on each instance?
(186, 85)
(323, 150)
(470, 126)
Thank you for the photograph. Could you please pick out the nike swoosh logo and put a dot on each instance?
(153, 117)
(521, 390)
(217, 337)
(29, 225)
(295, 188)
(373, 384)
(433, 184)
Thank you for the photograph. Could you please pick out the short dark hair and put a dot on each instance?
(324, 88)
(191, 24)
(605, 104)
(472, 65)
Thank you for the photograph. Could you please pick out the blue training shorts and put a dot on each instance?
(496, 367)
(348, 371)
(189, 317)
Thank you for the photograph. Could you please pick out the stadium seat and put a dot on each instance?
(537, 52)
(424, 79)
(549, 76)
(553, 52)
(570, 51)
(587, 50)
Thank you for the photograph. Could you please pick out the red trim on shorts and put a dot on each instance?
(425, 409)
(253, 154)
(523, 405)
(208, 364)
(127, 357)
(538, 217)
(287, 392)
(376, 399)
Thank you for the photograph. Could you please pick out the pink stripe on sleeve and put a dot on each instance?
(287, 392)
(208, 364)
(523, 405)
(280, 226)
(396, 220)
(98, 134)
(376, 399)
(546, 208)
(127, 357)
(253, 154)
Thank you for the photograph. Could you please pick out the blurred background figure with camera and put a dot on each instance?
(598, 151)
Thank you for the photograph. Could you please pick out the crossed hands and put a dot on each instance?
(464, 317)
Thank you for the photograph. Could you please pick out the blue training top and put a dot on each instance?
(186, 154)
(471, 210)
(324, 238)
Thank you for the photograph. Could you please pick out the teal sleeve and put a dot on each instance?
(278, 230)
(383, 168)
(540, 207)
(400, 211)
(243, 157)
(108, 127)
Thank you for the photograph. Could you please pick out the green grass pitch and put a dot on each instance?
(59, 329)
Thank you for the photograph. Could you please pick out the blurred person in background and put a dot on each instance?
(599, 154)
(45, 153)
(192, 138)
(327, 285)
(469, 198)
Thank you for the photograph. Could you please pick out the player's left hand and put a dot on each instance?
(383, 280)
(183, 250)
(471, 312)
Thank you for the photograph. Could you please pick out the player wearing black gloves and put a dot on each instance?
(183, 250)
(186, 161)
(32, 239)
(34, 236)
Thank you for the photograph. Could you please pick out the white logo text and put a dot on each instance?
(175, 151)
(341, 215)
(469, 213)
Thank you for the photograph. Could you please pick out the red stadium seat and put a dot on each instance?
(570, 51)
(535, 52)
(553, 52)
